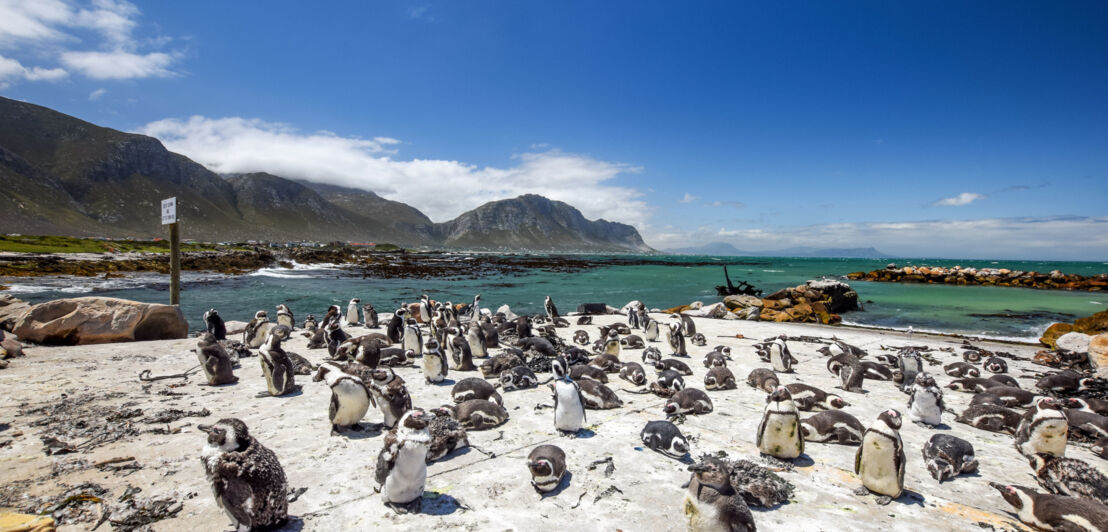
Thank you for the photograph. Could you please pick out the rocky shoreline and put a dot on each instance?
(957, 275)
(817, 301)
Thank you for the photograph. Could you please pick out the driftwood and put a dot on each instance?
(732, 290)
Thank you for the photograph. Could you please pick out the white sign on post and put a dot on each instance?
(169, 211)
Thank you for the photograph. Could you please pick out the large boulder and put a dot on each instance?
(1098, 354)
(1091, 325)
(10, 310)
(98, 320)
(741, 301)
(1074, 342)
(840, 297)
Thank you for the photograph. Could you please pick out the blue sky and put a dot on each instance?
(959, 129)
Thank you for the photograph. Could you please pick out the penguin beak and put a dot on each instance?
(698, 468)
(207, 429)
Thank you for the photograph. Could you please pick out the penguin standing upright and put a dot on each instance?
(435, 367)
(352, 311)
(285, 317)
(350, 397)
(247, 480)
(402, 463)
(425, 310)
(413, 337)
(910, 366)
(276, 365)
(214, 360)
(879, 461)
(676, 339)
(925, 401)
(650, 330)
(215, 325)
(551, 310)
(256, 331)
(478, 345)
(611, 345)
(395, 328)
(780, 356)
(779, 431)
(569, 406)
(370, 316)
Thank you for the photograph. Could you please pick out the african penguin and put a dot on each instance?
(961, 369)
(633, 373)
(779, 431)
(276, 365)
(413, 337)
(569, 406)
(832, 426)
(435, 366)
(879, 461)
(650, 330)
(1043, 429)
(712, 503)
(352, 311)
(1046, 511)
(551, 310)
(547, 463)
(247, 480)
(518, 378)
(676, 340)
(763, 379)
(285, 317)
(395, 328)
(214, 324)
(369, 314)
(479, 414)
(719, 378)
(996, 365)
(808, 398)
(925, 401)
(780, 356)
(475, 388)
(350, 397)
(597, 396)
(402, 463)
(255, 333)
(947, 457)
(688, 401)
(664, 437)
(214, 360)
(993, 418)
(1070, 477)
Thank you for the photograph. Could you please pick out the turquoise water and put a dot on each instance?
(312, 290)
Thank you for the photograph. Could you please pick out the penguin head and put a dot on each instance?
(432, 344)
(228, 434)
(679, 446)
(205, 339)
(355, 301)
(925, 381)
(401, 312)
(415, 419)
(837, 402)
(891, 418)
(1015, 495)
(446, 411)
(261, 315)
(323, 370)
(560, 368)
(1077, 404)
(670, 408)
(383, 375)
(540, 467)
(712, 472)
(282, 331)
(211, 313)
(780, 394)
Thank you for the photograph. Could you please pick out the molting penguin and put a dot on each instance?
(435, 367)
(1043, 429)
(285, 317)
(779, 431)
(352, 311)
(277, 366)
(391, 395)
(350, 397)
(1070, 477)
(832, 426)
(311, 325)
(547, 463)
(925, 401)
(664, 437)
(712, 503)
(255, 333)
(370, 315)
(569, 406)
(1045, 511)
(402, 463)
(447, 435)
(247, 480)
(214, 324)
(879, 461)
(214, 360)
(947, 457)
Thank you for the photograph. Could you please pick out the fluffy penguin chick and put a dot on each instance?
(947, 457)
(879, 461)
(1070, 477)
(547, 464)
(402, 463)
(925, 401)
(779, 431)
(247, 480)
(711, 502)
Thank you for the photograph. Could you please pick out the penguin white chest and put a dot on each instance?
(408, 475)
(777, 358)
(780, 436)
(412, 342)
(475, 348)
(878, 467)
(353, 403)
(570, 414)
(702, 517)
(432, 367)
(925, 408)
(1048, 437)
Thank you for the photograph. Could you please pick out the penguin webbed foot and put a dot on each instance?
(862, 490)
(883, 500)
(413, 507)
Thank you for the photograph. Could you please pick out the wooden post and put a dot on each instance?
(174, 264)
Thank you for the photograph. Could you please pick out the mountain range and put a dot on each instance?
(724, 249)
(64, 176)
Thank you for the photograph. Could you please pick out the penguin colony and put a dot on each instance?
(490, 356)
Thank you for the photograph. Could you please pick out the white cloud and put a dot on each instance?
(12, 70)
(119, 64)
(442, 189)
(735, 204)
(689, 198)
(1048, 238)
(964, 198)
(96, 94)
(94, 38)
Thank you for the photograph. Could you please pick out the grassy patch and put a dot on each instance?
(65, 244)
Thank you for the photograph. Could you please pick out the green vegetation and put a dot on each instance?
(387, 247)
(65, 244)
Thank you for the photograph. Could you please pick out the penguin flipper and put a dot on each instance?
(237, 495)
(386, 458)
(761, 429)
(581, 399)
(858, 456)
